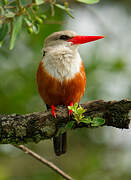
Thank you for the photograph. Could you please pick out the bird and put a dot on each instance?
(61, 77)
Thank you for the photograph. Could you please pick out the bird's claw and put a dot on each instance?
(70, 111)
(53, 108)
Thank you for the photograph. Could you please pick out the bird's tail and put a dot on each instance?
(60, 144)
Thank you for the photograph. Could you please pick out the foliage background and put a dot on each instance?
(92, 154)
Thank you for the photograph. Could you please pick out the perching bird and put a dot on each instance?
(61, 77)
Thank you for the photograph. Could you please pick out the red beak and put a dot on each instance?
(84, 39)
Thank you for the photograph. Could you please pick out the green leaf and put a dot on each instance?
(3, 31)
(4, 2)
(69, 125)
(97, 121)
(2, 12)
(80, 110)
(89, 1)
(15, 31)
(86, 120)
(69, 13)
(70, 108)
(75, 106)
(65, 9)
(38, 2)
(60, 6)
(9, 14)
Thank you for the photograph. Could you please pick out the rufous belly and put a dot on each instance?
(55, 92)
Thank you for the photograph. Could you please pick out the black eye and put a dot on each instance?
(64, 37)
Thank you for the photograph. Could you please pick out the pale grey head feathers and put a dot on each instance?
(59, 38)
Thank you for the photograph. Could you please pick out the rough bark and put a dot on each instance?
(21, 129)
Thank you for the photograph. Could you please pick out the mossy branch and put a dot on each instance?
(21, 129)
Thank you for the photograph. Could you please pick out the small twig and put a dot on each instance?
(52, 9)
(10, 7)
(44, 161)
(29, 5)
(18, 4)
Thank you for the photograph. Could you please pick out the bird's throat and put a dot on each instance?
(62, 65)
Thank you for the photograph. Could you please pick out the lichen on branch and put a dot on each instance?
(34, 127)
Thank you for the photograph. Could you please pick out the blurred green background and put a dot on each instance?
(93, 154)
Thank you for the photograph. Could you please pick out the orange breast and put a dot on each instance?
(54, 92)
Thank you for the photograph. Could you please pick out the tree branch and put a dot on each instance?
(21, 129)
(44, 161)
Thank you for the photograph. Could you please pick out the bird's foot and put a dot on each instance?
(70, 111)
(53, 108)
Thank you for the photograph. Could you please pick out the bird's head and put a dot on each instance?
(67, 39)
